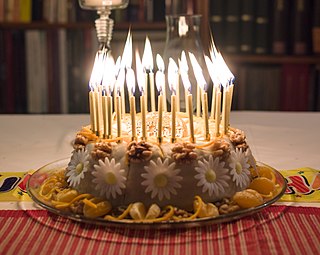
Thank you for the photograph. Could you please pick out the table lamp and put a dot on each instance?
(104, 24)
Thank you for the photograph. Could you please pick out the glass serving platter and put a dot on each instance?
(44, 172)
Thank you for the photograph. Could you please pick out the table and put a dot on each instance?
(284, 140)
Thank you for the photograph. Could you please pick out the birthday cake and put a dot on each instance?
(148, 174)
(158, 165)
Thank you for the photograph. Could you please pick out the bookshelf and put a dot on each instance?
(282, 48)
(79, 49)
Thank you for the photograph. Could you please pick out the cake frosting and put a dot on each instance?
(123, 171)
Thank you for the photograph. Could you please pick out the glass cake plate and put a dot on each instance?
(44, 172)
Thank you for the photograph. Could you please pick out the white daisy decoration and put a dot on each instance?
(240, 168)
(109, 177)
(162, 179)
(77, 166)
(212, 176)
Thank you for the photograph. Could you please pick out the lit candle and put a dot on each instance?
(173, 117)
(172, 81)
(197, 70)
(213, 72)
(109, 116)
(95, 80)
(224, 109)
(93, 118)
(160, 80)
(143, 118)
(147, 61)
(198, 101)
(126, 62)
(109, 83)
(226, 79)
(118, 115)
(183, 66)
(142, 86)
(131, 89)
(173, 73)
(217, 114)
(160, 73)
(187, 85)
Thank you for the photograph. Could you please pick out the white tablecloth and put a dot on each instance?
(280, 139)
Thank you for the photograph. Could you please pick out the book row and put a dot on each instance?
(266, 26)
(48, 72)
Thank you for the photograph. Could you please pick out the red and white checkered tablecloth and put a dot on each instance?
(275, 230)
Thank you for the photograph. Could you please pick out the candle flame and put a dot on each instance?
(197, 70)
(109, 73)
(160, 63)
(225, 75)
(213, 71)
(147, 58)
(120, 81)
(97, 70)
(131, 81)
(160, 80)
(139, 73)
(127, 52)
(184, 68)
(172, 75)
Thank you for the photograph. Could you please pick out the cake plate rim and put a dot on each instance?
(198, 222)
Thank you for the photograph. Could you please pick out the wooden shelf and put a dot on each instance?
(271, 59)
(83, 25)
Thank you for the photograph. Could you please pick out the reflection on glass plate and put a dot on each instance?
(46, 171)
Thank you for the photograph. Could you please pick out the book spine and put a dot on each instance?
(63, 67)
(300, 30)
(159, 10)
(280, 27)
(2, 71)
(217, 21)
(247, 26)
(19, 77)
(232, 25)
(37, 10)
(9, 86)
(2, 10)
(25, 10)
(262, 27)
(316, 27)
(294, 92)
(148, 7)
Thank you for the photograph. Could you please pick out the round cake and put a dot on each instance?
(124, 171)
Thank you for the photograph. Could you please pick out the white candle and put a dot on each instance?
(93, 118)
(173, 118)
(152, 91)
(143, 117)
(224, 109)
(109, 116)
(205, 116)
(133, 117)
(190, 114)
(160, 110)
(213, 102)
(98, 101)
(105, 116)
(217, 114)
(118, 115)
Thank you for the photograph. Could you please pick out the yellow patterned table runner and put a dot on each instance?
(303, 185)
